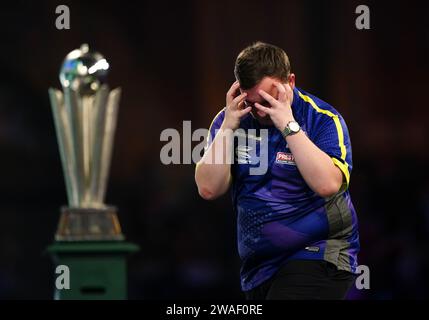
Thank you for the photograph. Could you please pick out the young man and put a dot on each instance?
(297, 227)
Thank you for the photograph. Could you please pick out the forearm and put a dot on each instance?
(213, 171)
(315, 166)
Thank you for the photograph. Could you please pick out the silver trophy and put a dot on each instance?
(85, 115)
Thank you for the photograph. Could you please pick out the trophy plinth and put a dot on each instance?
(89, 224)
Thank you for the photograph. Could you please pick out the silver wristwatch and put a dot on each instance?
(292, 127)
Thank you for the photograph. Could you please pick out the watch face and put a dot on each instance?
(294, 126)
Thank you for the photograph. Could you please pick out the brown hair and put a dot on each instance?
(261, 60)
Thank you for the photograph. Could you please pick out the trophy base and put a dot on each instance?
(89, 224)
(97, 269)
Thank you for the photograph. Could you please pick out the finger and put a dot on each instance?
(287, 87)
(233, 89)
(282, 92)
(268, 98)
(262, 108)
(241, 105)
(289, 91)
(237, 100)
(245, 111)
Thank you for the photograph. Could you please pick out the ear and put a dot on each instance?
(291, 80)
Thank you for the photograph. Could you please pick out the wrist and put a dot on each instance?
(225, 127)
(291, 128)
(284, 123)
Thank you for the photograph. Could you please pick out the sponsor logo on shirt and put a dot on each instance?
(285, 158)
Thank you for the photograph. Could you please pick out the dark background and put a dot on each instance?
(174, 61)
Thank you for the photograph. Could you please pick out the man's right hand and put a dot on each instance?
(234, 107)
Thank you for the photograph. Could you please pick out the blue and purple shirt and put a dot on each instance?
(279, 218)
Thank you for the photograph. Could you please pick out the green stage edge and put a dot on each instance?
(98, 270)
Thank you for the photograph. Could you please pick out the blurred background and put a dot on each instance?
(174, 61)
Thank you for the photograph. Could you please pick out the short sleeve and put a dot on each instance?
(214, 127)
(332, 137)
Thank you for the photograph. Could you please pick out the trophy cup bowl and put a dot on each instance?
(85, 116)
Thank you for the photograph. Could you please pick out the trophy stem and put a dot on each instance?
(63, 131)
(73, 105)
(98, 117)
(107, 146)
(87, 102)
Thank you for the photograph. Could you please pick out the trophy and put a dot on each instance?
(85, 115)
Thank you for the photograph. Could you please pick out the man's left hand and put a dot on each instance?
(281, 110)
